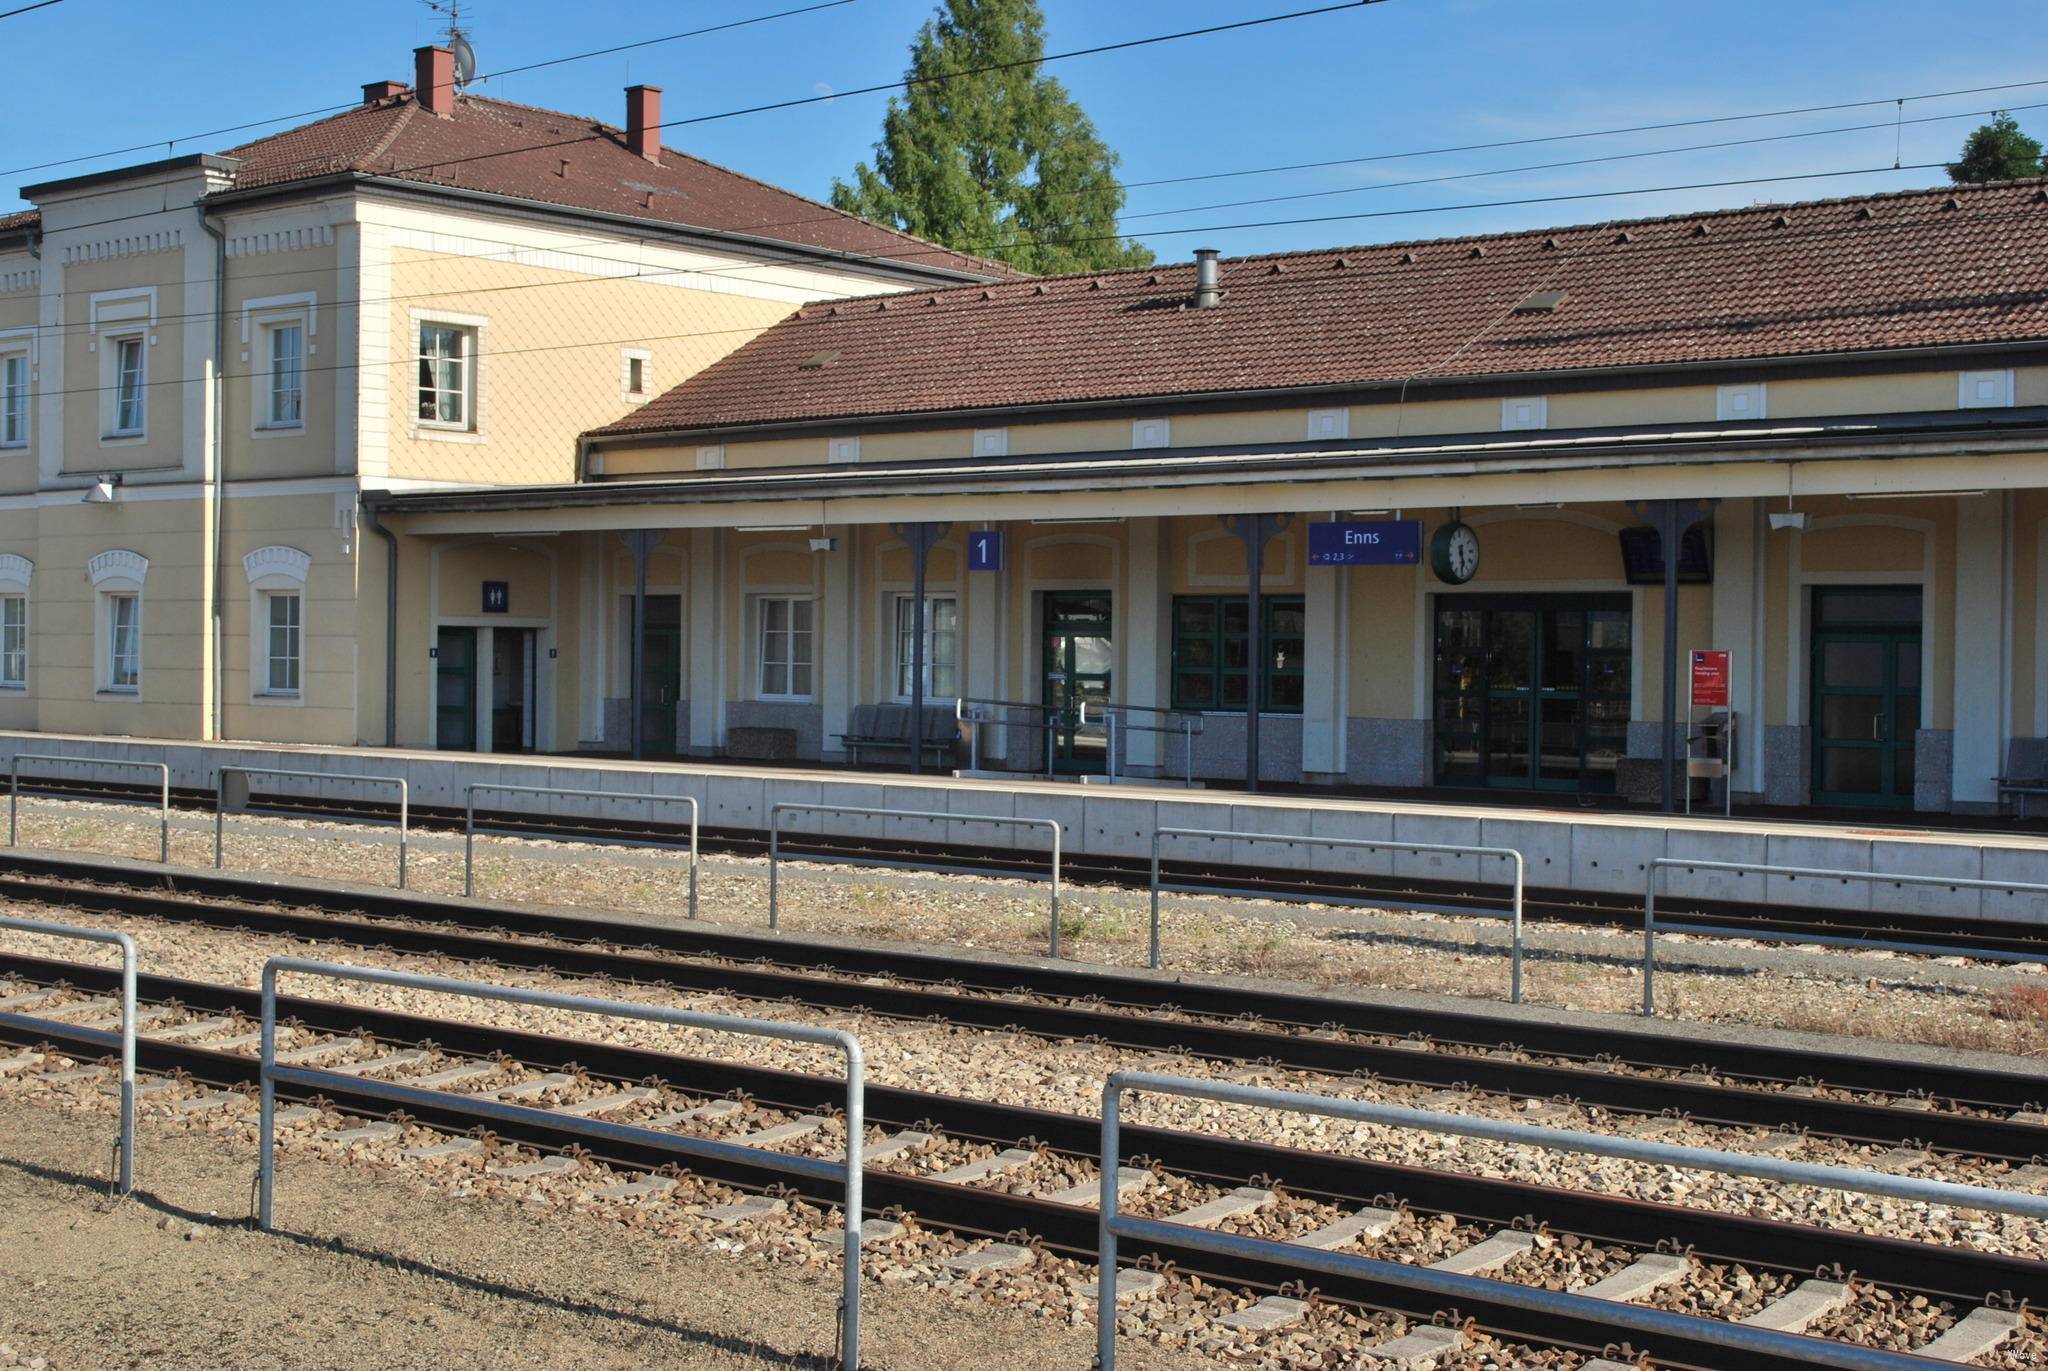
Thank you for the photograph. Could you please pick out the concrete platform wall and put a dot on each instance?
(1592, 852)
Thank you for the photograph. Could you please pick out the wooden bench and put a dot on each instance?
(2026, 772)
(885, 729)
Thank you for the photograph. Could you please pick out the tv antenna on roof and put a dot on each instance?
(458, 40)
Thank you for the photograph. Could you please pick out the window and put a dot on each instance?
(941, 645)
(1984, 389)
(447, 365)
(124, 641)
(14, 400)
(14, 641)
(1212, 652)
(285, 407)
(633, 368)
(281, 662)
(128, 381)
(785, 647)
(1525, 411)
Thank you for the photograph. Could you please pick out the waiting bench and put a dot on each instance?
(2026, 772)
(885, 729)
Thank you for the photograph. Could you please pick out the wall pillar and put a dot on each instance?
(1146, 653)
(706, 628)
(1979, 627)
(837, 636)
(1326, 658)
(984, 601)
(1738, 627)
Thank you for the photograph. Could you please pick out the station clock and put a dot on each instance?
(1454, 553)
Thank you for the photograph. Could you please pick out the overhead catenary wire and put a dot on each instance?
(24, 9)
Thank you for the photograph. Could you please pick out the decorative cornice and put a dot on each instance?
(15, 572)
(281, 240)
(118, 562)
(132, 245)
(287, 563)
(28, 278)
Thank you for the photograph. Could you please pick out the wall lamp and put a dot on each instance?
(101, 491)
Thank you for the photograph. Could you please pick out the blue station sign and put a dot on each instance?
(1381, 542)
(985, 550)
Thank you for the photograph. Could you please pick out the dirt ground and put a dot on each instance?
(371, 1273)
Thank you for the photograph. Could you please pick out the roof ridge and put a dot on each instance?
(406, 113)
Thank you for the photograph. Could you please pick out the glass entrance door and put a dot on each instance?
(661, 673)
(1078, 655)
(455, 690)
(513, 681)
(1866, 694)
(1532, 693)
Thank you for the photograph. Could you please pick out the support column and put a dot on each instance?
(1143, 615)
(641, 543)
(919, 537)
(1978, 622)
(1736, 627)
(1254, 531)
(1326, 681)
(706, 636)
(837, 635)
(985, 597)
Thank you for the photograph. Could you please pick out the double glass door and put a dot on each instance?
(1866, 694)
(1532, 692)
(1078, 655)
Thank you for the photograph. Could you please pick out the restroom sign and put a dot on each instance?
(985, 550)
(497, 597)
(1710, 678)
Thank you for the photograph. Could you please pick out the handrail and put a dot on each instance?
(1514, 914)
(1660, 865)
(848, 1170)
(1745, 1338)
(1051, 717)
(776, 811)
(161, 770)
(469, 823)
(220, 797)
(127, 946)
(1190, 728)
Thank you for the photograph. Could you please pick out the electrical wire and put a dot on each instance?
(39, 5)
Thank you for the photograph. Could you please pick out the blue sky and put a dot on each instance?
(85, 76)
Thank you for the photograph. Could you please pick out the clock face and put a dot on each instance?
(1454, 553)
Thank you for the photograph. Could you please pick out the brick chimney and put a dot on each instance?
(377, 92)
(643, 121)
(433, 80)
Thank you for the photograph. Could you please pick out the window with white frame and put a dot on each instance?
(277, 617)
(941, 646)
(447, 375)
(14, 399)
(633, 365)
(13, 642)
(124, 640)
(284, 396)
(281, 642)
(785, 638)
(127, 358)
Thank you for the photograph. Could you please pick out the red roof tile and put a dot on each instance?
(1905, 270)
(20, 219)
(499, 148)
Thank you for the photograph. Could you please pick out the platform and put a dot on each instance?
(1563, 849)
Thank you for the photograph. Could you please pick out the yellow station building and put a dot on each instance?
(566, 381)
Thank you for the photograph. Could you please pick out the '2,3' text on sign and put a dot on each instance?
(1384, 542)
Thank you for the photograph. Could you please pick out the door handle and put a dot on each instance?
(1877, 729)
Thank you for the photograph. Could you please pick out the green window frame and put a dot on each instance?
(1211, 653)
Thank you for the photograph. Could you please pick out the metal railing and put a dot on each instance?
(1119, 727)
(847, 1171)
(469, 829)
(1737, 1337)
(220, 801)
(1509, 854)
(127, 946)
(1659, 865)
(776, 812)
(163, 772)
(1047, 719)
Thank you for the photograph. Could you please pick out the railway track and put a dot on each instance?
(1965, 1112)
(993, 1174)
(1962, 937)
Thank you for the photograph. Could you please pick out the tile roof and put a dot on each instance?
(500, 148)
(1903, 270)
(20, 219)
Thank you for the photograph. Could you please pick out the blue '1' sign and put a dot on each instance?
(985, 550)
(1382, 542)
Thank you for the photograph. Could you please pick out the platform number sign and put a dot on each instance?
(497, 597)
(985, 550)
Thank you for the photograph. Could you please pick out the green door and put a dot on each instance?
(1866, 694)
(1078, 655)
(455, 690)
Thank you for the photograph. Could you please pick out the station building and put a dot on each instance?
(612, 438)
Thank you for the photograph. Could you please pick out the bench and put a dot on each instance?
(885, 729)
(2026, 771)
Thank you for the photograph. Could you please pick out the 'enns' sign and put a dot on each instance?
(1384, 542)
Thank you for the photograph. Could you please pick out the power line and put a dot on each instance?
(39, 5)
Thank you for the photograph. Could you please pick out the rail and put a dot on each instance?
(1651, 1322)
(776, 812)
(1513, 915)
(220, 801)
(486, 1110)
(127, 946)
(469, 824)
(1047, 717)
(163, 772)
(1659, 865)
(1118, 727)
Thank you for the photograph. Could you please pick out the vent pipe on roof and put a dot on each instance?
(643, 121)
(1208, 294)
(433, 80)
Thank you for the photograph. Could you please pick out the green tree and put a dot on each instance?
(1002, 163)
(1998, 151)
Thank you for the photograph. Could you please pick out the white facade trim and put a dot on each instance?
(117, 569)
(16, 572)
(124, 245)
(280, 240)
(304, 304)
(277, 563)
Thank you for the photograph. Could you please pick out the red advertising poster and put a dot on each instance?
(1710, 678)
